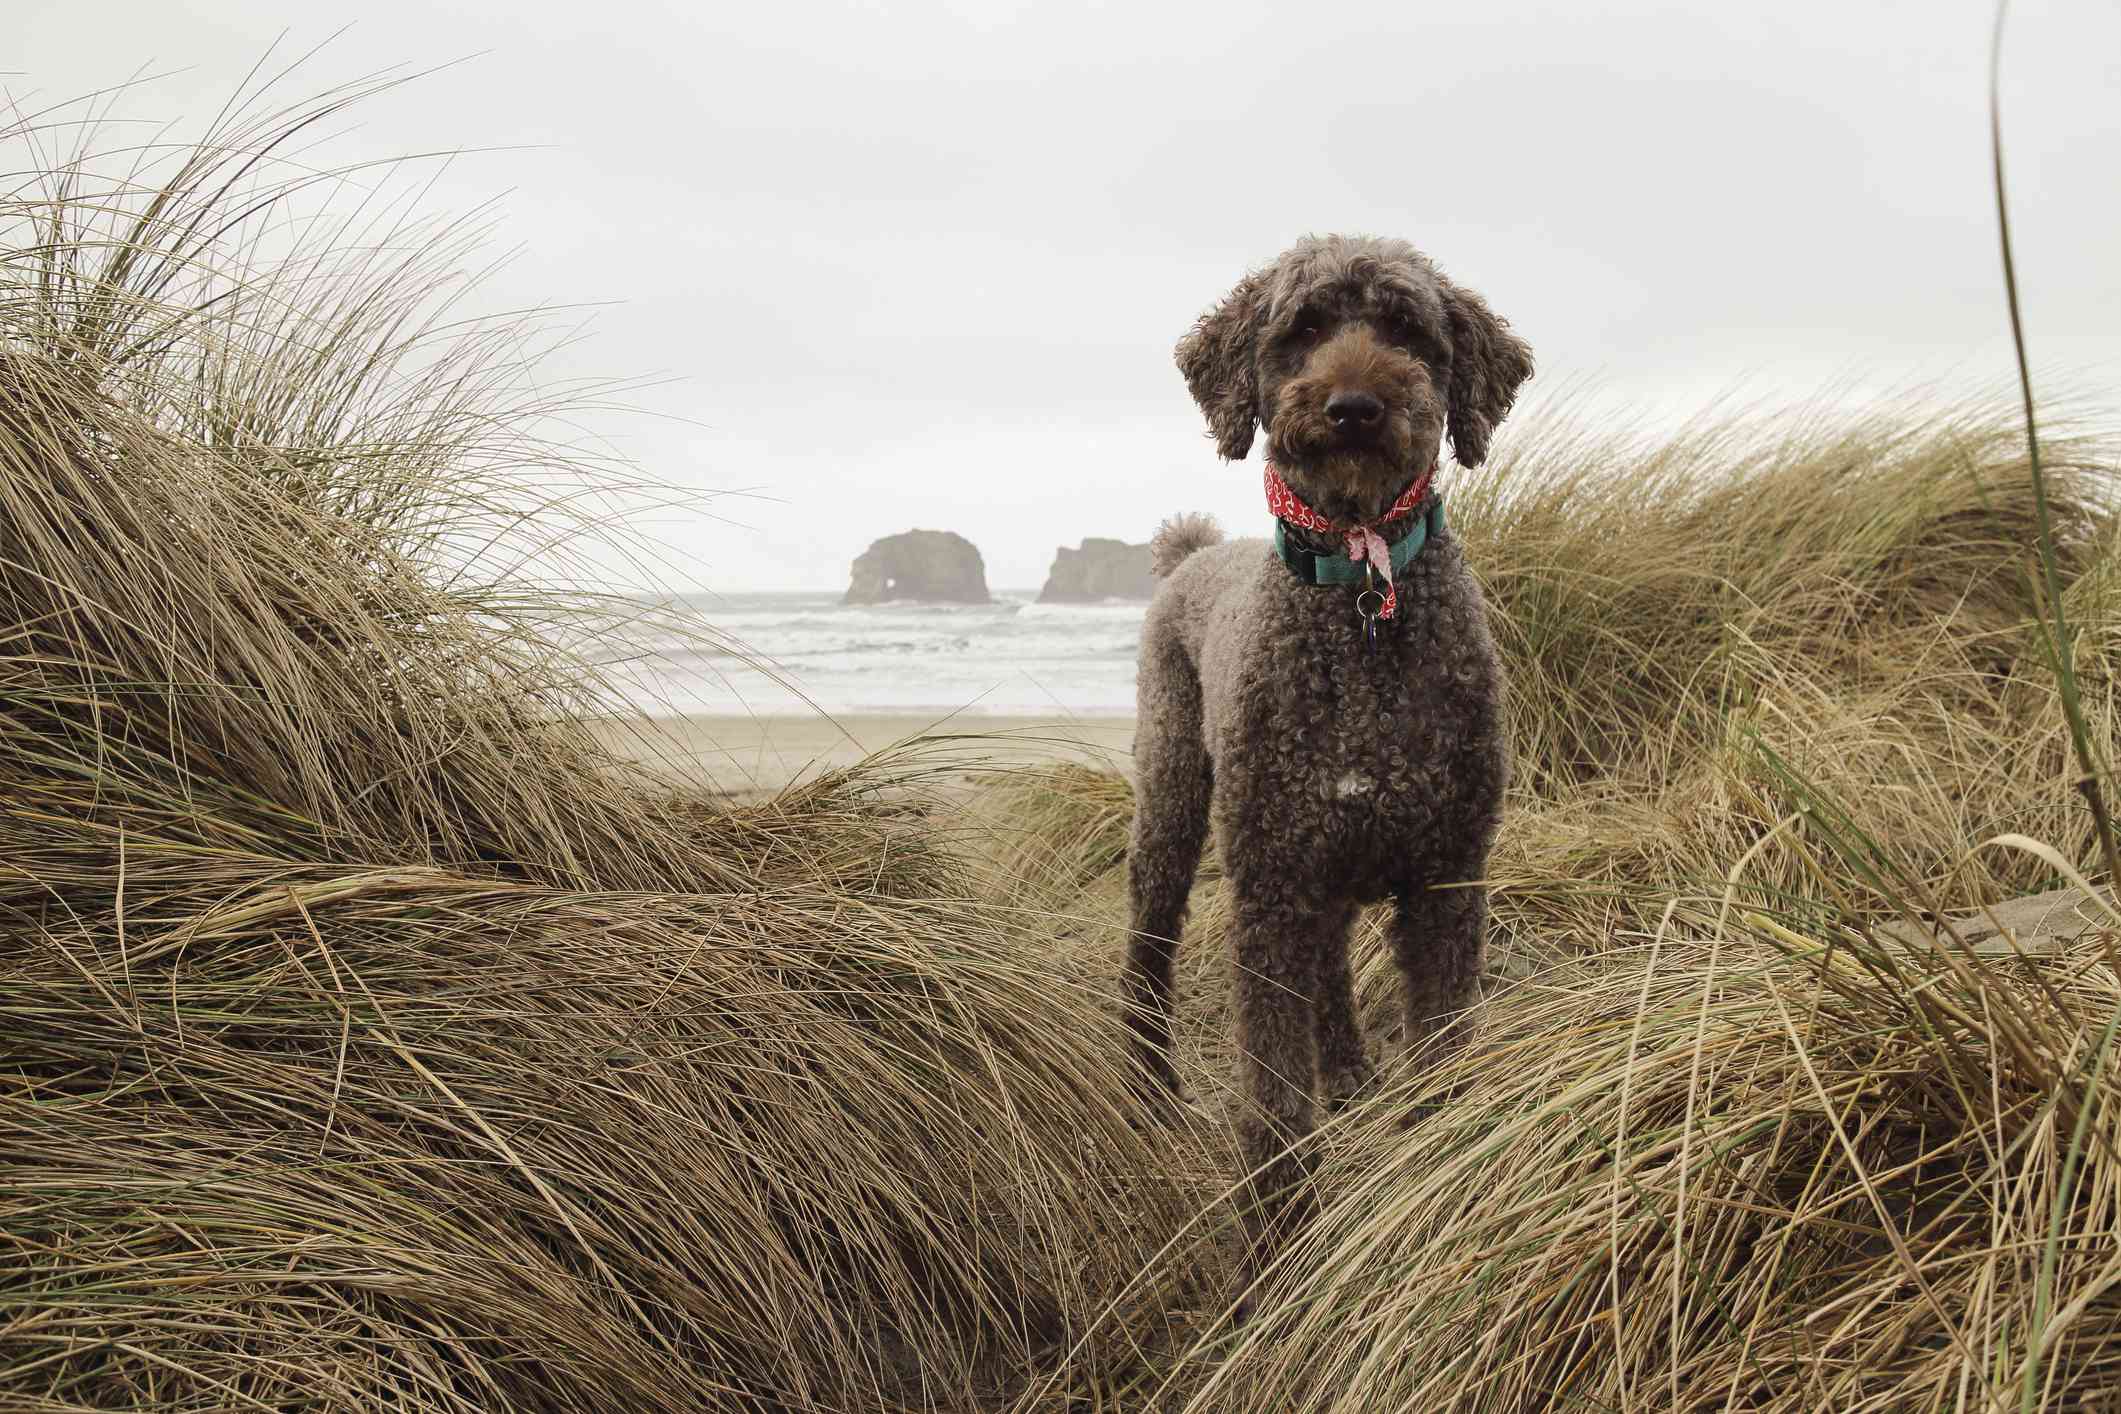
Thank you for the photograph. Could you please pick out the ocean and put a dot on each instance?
(1013, 656)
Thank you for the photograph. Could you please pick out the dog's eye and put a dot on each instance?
(1400, 332)
(1306, 328)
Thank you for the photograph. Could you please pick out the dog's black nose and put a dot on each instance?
(1355, 412)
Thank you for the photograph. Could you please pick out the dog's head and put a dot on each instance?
(1355, 354)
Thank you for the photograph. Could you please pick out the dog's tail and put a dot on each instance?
(1179, 537)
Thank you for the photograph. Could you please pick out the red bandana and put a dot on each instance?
(1364, 543)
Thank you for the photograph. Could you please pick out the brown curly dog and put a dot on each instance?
(1341, 726)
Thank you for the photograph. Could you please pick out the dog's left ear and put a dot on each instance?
(1488, 363)
(1221, 372)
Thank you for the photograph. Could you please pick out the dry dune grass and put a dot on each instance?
(1647, 584)
(1726, 1167)
(376, 1040)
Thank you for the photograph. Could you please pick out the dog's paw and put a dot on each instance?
(1350, 1086)
(1434, 1100)
(1161, 1106)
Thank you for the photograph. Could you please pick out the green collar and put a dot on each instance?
(1314, 568)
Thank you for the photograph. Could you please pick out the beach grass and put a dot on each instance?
(376, 1037)
(380, 1034)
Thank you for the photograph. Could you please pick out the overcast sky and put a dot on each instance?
(918, 264)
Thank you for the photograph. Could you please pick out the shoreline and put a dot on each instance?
(750, 754)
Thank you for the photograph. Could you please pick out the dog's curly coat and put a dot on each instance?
(1334, 777)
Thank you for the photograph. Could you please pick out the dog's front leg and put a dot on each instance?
(1344, 1069)
(1439, 934)
(1276, 944)
(1170, 826)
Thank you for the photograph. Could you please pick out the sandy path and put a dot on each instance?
(745, 754)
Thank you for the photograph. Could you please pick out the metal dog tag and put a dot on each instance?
(1368, 604)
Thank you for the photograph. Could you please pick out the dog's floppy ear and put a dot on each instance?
(1221, 372)
(1488, 362)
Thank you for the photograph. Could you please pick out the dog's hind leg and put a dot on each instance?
(1170, 824)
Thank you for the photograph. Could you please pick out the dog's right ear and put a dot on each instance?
(1221, 372)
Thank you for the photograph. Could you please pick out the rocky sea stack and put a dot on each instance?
(1100, 569)
(932, 566)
